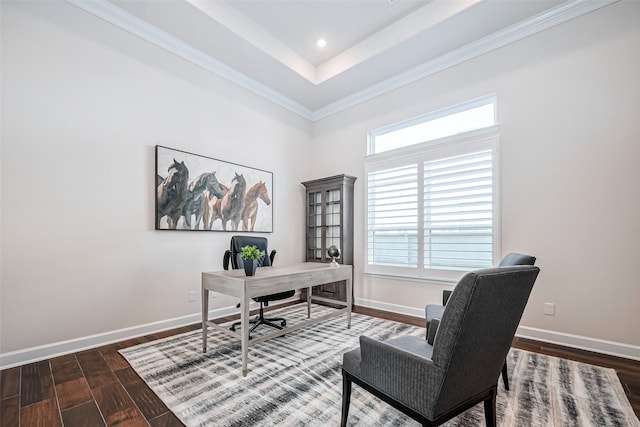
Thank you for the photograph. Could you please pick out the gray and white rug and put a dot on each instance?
(295, 380)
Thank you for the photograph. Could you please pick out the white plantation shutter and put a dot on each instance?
(392, 216)
(432, 212)
(458, 212)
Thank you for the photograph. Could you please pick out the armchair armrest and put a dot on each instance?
(272, 256)
(432, 329)
(226, 259)
(445, 297)
(410, 378)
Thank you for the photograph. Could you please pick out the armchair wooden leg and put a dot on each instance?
(490, 409)
(346, 398)
(505, 376)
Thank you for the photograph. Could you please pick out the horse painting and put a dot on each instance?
(196, 197)
(172, 194)
(257, 191)
(190, 194)
(232, 204)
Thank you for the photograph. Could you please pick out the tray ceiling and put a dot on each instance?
(373, 46)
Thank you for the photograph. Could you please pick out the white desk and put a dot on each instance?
(271, 280)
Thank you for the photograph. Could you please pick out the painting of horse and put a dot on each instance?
(232, 204)
(211, 211)
(172, 194)
(196, 197)
(199, 193)
(257, 191)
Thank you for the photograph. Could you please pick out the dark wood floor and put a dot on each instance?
(97, 387)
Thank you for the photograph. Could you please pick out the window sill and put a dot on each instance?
(407, 278)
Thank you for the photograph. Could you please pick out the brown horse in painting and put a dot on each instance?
(257, 191)
(211, 211)
(232, 204)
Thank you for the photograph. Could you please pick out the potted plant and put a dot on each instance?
(250, 256)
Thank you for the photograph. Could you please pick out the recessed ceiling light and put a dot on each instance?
(321, 43)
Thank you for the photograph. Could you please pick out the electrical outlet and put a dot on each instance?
(549, 308)
(192, 296)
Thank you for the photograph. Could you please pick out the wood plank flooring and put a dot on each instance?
(97, 387)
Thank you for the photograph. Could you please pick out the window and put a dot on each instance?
(432, 200)
(476, 114)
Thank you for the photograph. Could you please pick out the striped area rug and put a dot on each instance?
(295, 380)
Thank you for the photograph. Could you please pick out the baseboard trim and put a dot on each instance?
(48, 351)
(394, 308)
(611, 348)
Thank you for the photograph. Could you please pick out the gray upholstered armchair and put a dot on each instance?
(433, 383)
(433, 312)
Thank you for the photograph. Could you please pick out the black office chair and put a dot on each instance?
(232, 257)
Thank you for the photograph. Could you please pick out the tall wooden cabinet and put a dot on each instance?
(329, 222)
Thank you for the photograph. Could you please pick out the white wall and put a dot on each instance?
(568, 110)
(83, 105)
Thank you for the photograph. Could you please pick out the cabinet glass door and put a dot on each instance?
(323, 223)
(314, 226)
(333, 225)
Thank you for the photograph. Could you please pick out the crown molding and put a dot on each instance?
(543, 21)
(252, 33)
(564, 12)
(423, 19)
(111, 13)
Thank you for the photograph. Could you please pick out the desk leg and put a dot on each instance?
(349, 285)
(205, 317)
(244, 324)
(309, 302)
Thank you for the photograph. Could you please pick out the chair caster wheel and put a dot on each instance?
(283, 323)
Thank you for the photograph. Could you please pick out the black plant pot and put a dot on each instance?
(250, 266)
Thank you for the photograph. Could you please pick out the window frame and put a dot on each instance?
(450, 146)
